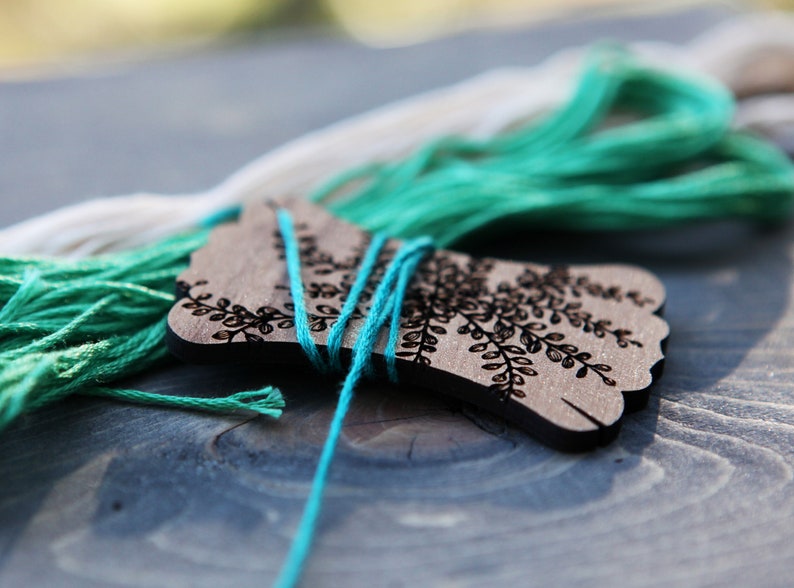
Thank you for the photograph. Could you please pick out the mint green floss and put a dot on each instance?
(77, 326)
(681, 162)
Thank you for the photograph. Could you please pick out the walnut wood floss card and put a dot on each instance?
(560, 351)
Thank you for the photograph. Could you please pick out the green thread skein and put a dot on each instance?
(678, 162)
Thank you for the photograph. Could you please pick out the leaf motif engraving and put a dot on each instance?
(525, 308)
(515, 330)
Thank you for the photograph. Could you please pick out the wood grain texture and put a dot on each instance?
(696, 491)
(553, 349)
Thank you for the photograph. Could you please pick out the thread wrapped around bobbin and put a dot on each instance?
(561, 351)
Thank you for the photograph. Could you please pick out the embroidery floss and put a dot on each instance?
(76, 326)
(480, 108)
(566, 172)
(680, 161)
(385, 305)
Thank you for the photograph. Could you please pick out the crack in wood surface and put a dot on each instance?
(213, 445)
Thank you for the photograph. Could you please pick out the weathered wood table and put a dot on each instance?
(696, 491)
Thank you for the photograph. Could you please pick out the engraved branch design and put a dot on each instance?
(492, 319)
(249, 326)
(507, 325)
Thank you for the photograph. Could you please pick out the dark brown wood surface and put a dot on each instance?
(696, 491)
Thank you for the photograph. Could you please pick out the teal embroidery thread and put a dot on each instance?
(678, 163)
(78, 326)
(292, 257)
(70, 327)
(385, 306)
(63, 322)
(349, 306)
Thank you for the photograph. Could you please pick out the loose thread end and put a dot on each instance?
(267, 401)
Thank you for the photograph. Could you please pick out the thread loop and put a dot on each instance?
(385, 306)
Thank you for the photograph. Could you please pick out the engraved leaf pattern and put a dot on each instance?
(509, 326)
(529, 308)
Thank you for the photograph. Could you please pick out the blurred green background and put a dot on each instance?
(35, 32)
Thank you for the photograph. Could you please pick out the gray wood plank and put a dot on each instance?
(696, 491)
